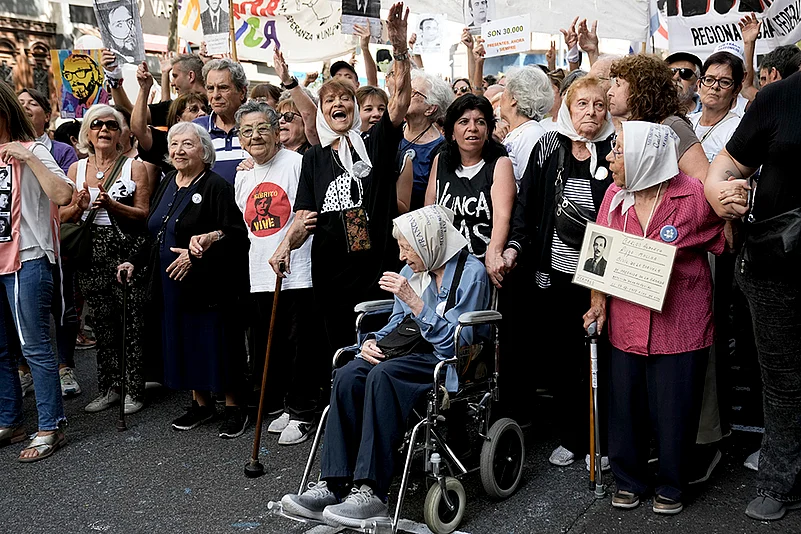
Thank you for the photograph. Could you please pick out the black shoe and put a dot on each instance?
(195, 416)
(706, 458)
(235, 421)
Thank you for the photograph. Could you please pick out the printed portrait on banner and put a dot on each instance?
(121, 28)
(429, 34)
(477, 12)
(78, 77)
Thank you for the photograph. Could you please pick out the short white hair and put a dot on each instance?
(209, 154)
(94, 112)
(439, 93)
(532, 90)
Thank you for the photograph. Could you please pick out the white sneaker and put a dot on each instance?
(752, 462)
(604, 463)
(26, 382)
(561, 457)
(295, 432)
(103, 401)
(278, 425)
(132, 406)
(69, 385)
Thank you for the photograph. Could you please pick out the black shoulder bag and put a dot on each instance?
(407, 338)
(570, 219)
(777, 238)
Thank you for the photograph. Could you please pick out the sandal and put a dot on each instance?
(12, 435)
(45, 446)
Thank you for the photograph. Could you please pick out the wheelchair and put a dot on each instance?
(502, 447)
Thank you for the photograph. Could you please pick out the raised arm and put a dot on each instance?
(305, 105)
(588, 40)
(467, 41)
(749, 27)
(54, 183)
(165, 64)
(478, 67)
(139, 115)
(114, 76)
(364, 45)
(396, 28)
(571, 42)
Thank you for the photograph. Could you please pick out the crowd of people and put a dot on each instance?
(196, 206)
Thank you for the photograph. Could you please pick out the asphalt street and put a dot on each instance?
(153, 479)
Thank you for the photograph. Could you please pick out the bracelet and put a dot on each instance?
(401, 56)
(290, 85)
(573, 55)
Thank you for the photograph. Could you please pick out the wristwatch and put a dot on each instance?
(402, 56)
(290, 85)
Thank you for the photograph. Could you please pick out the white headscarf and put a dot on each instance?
(431, 234)
(651, 156)
(328, 136)
(564, 125)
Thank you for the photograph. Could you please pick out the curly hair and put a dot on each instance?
(653, 95)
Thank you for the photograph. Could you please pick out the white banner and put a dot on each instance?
(507, 36)
(304, 30)
(698, 26)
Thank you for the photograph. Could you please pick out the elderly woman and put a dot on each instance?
(372, 396)
(116, 190)
(658, 360)
(266, 195)
(35, 182)
(198, 261)
(347, 198)
(421, 139)
(526, 100)
(292, 132)
(643, 89)
(564, 183)
(472, 176)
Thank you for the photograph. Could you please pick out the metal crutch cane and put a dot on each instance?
(121, 426)
(254, 468)
(596, 478)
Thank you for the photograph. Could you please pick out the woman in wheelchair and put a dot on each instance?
(373, 395)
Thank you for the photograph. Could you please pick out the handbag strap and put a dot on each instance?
(457, 277)
(112, 177)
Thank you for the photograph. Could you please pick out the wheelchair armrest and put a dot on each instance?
(374, 306)
(480, 317)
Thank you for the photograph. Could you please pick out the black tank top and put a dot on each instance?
(471, 201)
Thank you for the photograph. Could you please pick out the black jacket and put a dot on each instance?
(532, 224)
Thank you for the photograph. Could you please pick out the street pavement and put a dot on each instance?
(153, 479)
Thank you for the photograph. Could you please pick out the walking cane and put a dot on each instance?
(121, 426)
(596, 478)
(254, 468)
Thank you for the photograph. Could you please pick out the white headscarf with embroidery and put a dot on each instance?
(328, 136)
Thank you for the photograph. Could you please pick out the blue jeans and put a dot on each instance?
(28, 294)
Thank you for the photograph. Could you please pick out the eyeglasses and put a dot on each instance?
(461, 90)
(418, 93)
(723, 83)
(617, 152)
(111, 125)
(79, 74)
(263, 130)
(289, 116)
(684, 73)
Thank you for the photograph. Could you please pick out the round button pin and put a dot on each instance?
(668, 233)
(197, 198)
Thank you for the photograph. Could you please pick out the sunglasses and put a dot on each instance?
(111, 125)
(461, 90)
(684, 73)
(289, 116)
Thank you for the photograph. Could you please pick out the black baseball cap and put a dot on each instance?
(685, 56)
(339, 65)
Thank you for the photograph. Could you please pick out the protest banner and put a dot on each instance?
(507, 36)
(78, 77)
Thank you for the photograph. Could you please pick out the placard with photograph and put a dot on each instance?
(362, 12)
(6, 179)
(626, 266)
(121, 28)
(476, 13)
(78, 77)
(429, 34)
(215, 22)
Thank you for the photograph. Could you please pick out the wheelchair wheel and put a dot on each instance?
(436, 514)
(502, 456)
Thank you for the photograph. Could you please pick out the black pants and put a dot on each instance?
(299, 365)
(667, 390)
(367, 417)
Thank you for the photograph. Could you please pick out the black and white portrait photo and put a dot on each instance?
(214, 18)
(597, 255)
(429, 34)
(121, 28)
(362, 8)
(5, 227)
(477, 12)
(5, 201)
(5, 178)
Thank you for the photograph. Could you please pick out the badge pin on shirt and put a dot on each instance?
(668, 233)
(197, 198)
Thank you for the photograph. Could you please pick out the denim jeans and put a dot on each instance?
(775, 302)
(28, 294)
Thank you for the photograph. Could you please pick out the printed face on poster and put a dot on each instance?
(429, 34)
(121, 28)
(5, 202)
(215, 22)
(78, 77)
(476, 13)
(625, 266)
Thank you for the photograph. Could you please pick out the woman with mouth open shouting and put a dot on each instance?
(347, 197)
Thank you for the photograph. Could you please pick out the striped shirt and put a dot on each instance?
(226, 145)
(564, 259)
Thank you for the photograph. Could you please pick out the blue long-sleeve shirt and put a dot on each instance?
(472, 294)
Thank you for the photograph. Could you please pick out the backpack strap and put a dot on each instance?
(457, 277)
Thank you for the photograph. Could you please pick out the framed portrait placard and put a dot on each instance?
(626, 266)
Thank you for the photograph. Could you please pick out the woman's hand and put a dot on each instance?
(198, 244)
(467, 39)
(371, 353)
(587, 37)
(478, 50)
(281, 70)
(82, 200)
(733, 197)
(280, 260)
(550, 56)
(510, 258)
(597, 311)
(749, 28)
(246, 165)
(127, 268)
(310, 222)
(179, 268)
(103, 200)
(397, 22)
(496, 267)
(501, 130)
(363, 33)
(399, 286)
(15, 151)
(571, 37)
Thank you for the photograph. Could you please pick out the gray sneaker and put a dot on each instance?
(311, 503)
(69, 384)
(768, 509)
(360, 505)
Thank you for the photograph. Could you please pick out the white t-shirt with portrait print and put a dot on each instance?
(266, 197)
